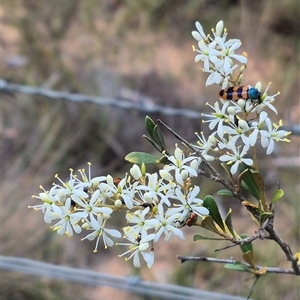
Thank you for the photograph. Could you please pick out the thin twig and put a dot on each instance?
(232, 261)
(214, 174)
(259, 234)
(253, 286)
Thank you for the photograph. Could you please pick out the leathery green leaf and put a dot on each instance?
(252, 182)
(278, 194)
(142, 157)
(159, 138)
(198, 237)
(210, 203)
(238, 266)
(245, 247)
(264, 216)
(149, 123)
(225, 192)
(209, 224)
(248, 257)
(228, 223)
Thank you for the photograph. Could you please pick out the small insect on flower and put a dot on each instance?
(192, 219)
(235, 93)
(116, 180)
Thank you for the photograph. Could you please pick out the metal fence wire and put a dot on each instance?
(146, 107)
(132, 284)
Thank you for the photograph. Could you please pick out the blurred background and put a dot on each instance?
(139, 51)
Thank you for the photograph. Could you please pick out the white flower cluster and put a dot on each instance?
(217, 54)
(155, 205)
(237, 125)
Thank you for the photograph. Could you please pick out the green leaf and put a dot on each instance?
(238, 266)
(248, 257)
(209, 224)
(210, 203)
(142, 157)
(198, 237)
(159, 138)
(264, 216)
(228, 223)
(245, 247)
(149, 123)
(225, 192)
(278, 194)
(253, 183)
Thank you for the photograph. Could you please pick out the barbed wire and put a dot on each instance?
(147, 107)
(142, 106)
(131, 284)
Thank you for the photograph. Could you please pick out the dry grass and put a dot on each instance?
(93, 48)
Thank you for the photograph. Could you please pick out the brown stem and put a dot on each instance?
(285, 248)
(232, 261)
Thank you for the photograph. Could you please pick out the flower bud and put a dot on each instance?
(241, 103)
(118, 203)
(219, 28)
(105, 216)
(148, 197)
(195, 164)
(242, 69)
(85, 226)
(258, 86)
(136, 172)
(62, 195)
(231, 110)
(165, 175)
(184, 174)
(243, 125)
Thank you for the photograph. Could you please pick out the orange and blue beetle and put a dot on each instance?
(235, 93)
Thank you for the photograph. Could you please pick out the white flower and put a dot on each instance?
(189, 203)
(206, 145)
(68, 221)
(236, 132)
(142, 224)
(236, 157)
(139, 245)
(71, 186)
(87, 181)
(227, 53)
(271, 135)
(99, 230)
(122, 190)
(166, 225)
(258, 126)
(217, 54)
(156, 190)
(214, 78)
(89, 207)
(218, 117)
(49, 198)
(266, 101)
(179, 163)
